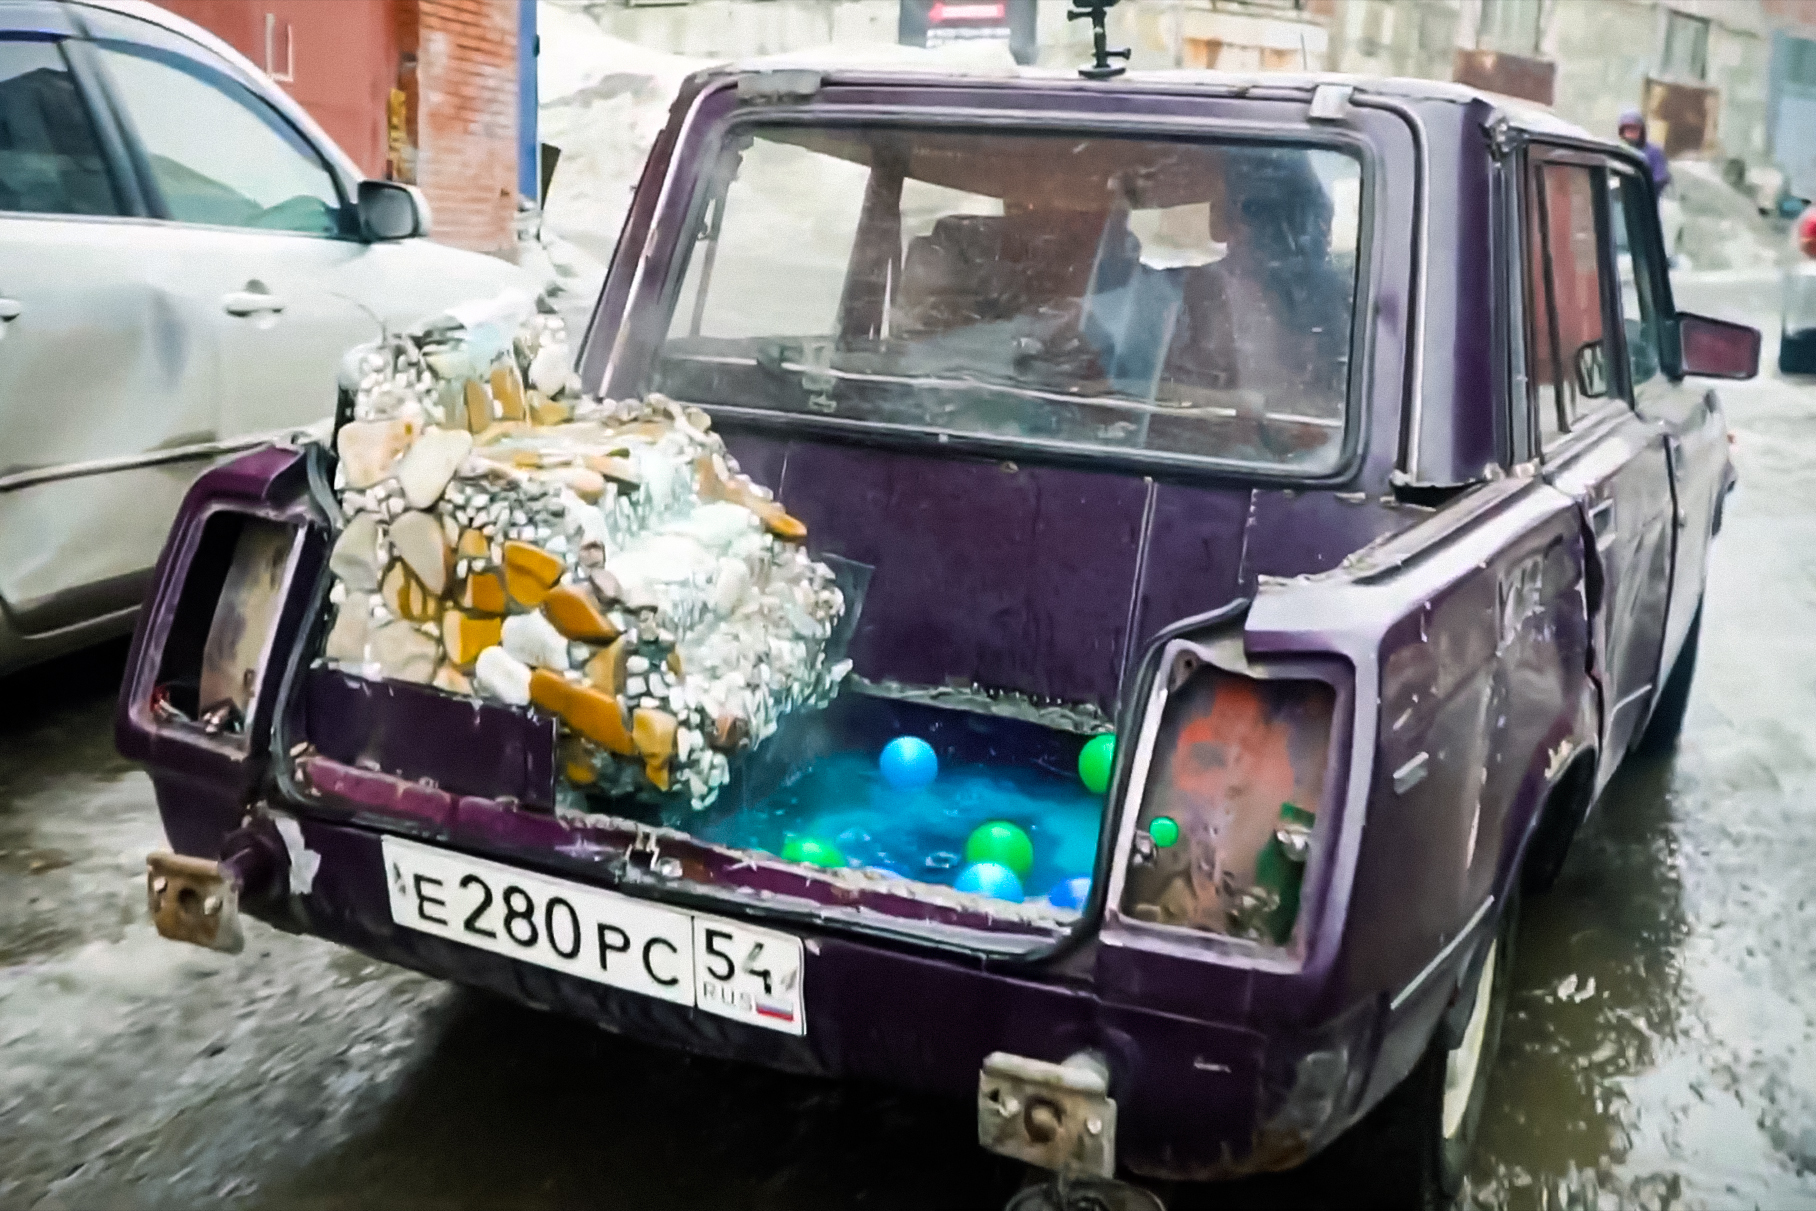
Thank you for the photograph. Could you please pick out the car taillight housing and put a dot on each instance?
(1232, 785)
(212, 667)
(1806, 232)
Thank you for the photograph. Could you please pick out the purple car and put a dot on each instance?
(1334, 445)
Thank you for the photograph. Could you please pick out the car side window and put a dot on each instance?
(1567, 345)
(50, 160)
(1640, 272)
(218, 153)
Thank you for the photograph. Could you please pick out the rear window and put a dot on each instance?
(1176, 298)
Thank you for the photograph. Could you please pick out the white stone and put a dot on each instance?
(352, 624)
(355, 558)
(429, 464)
(534, 640)
(728, 590)
(549, 368)
(502, 676)
(636, 664)
(403, 652)
(421, 544)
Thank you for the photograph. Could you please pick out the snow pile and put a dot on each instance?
(603, 102)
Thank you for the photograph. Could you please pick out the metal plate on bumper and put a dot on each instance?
(1056, 1116)
(721, 966)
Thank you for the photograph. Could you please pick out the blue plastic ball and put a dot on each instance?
(908, 762)
(1071, 894)
(991, 879)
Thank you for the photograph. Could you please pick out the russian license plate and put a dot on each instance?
(709, 963)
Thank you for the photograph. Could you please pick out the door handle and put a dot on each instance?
(250, 302)
(10, 309)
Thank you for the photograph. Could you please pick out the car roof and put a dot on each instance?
(1521, 114)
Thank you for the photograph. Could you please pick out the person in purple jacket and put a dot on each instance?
(1633, 130)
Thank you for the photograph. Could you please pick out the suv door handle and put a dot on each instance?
(10, 309)
(250, 302)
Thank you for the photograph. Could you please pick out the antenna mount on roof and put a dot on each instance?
(1100, 67)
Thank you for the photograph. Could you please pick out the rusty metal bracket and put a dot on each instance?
(1055, 1116)
(193, 900)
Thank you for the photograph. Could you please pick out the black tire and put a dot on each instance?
(1402, 1156)
(1667, 721)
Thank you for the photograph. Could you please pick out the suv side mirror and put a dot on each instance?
(1716, 348)
(390, 211)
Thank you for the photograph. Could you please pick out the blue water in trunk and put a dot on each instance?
(841, 797)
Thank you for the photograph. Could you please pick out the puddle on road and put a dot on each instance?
(1659, 1052)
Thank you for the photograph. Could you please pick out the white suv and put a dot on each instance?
(184, 258)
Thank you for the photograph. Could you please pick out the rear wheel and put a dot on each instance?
(1667, 721)
(1413, 1149)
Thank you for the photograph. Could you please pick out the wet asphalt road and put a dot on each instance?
(1659, 1051)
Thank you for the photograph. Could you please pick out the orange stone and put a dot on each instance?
(583, 482)
(577, 761)
(465, 637)
(484, 593)
(739, 491)
(529, 572)
(618, 470)
(546, 411)
(573, 613)
(471, 545)
(507, 389)
(405, 595)
(479, 406)
(606, 670)
(654, 735)
(594, 715)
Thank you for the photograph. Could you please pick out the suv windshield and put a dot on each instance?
(1175, 298)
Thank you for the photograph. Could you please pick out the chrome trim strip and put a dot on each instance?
(1410, 774)
(150, 458)
(1421, 249)
(1438, 960)
(1630, 699)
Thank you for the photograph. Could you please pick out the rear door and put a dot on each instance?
(107, 375)
(1593, 443)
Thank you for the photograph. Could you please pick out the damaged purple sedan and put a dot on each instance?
(1098, 594)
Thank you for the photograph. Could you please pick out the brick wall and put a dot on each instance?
(465, 119)
(455, 62)
(343, 58)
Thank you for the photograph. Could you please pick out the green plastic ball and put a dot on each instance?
(1003, 843)
(1095, 760)
(812, 851)
(1164, 830)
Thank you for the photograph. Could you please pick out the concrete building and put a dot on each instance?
(1702, 71)
(1723, 79)
(433, 92)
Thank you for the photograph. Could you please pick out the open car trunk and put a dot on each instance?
(989, 614)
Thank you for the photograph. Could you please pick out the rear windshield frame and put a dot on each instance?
(1174, 465)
